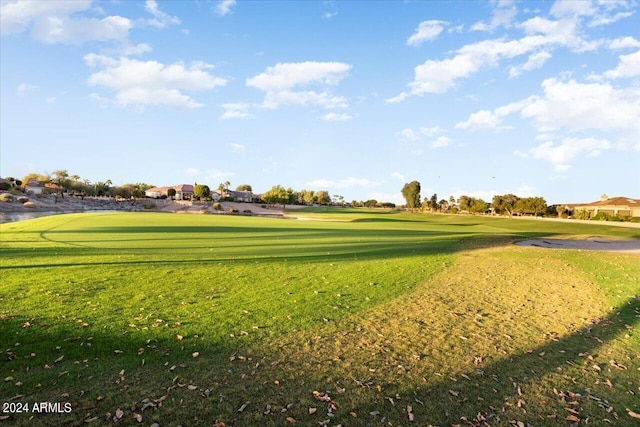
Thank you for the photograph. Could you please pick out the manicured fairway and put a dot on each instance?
(356, 317)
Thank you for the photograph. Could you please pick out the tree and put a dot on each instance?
(323, 197)
(465, 203)
(478, 206)
(244, 187)
(504, 204)
(61, 178)
(371, 203)
(411, 194)
(531, 205)
(277, 194)
(171, 192)
(433, 202)
(201, 191)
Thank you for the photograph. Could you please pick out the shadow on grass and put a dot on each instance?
(339, 247)
(534, 387)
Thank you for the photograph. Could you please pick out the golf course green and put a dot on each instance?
(353, 317)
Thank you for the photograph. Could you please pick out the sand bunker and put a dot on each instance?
(591, 244)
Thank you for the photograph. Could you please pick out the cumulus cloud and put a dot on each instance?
(571, 106)
(426, 31)
(624, 43)
(160, 19)
(442, 141)
(561, 154)
(629, 66)
(239, 110)
(224, 7)
(54, 22)
(286, 83)
(502, 16)
(564, 29)
(336, 117)
(536, 60)
(148, 83)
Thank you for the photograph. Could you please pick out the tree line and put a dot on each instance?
(506, 204)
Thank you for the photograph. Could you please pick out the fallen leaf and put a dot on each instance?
(633, 414)
(291, 420)
(195, 354)
(572, 418)
(137, 417)
(243, 407)
(454, 393)
(312, 411)
(119, 414)
(192, 387)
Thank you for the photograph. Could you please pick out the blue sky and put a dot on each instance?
(354, 97)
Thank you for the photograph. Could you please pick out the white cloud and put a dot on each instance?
(482, 120)
(560, 155)
(624, 43)
(629, 66)
(143, 83)
(53, 22)
(336, 117)
(431, 131)
(426, 31)
(329, 184)
(536, 60)
(542, 36)
(224, 7)
(503, 15)
(213, 175)
(578, 106)
(238, 110)
(329, 15)
(160, 19)
(238, 148)
(398, 176)
(409, 135)
(24, 88)
(282, 84)
(442, 141)
(192, 171)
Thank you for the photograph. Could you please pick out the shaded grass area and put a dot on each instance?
(384, 316)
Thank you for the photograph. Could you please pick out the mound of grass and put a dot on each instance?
(379, 318)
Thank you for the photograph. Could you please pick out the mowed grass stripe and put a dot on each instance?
(371, 308)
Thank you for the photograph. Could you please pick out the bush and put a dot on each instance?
(149, 206)
(29, 205)
(217, 206)
(6, 197)
(23, 199)
(233, 210)
(247, 211)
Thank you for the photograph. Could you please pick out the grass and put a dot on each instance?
(359, 317)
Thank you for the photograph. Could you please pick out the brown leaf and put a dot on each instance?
(633, 414)
(312, 411)
(137, 417)
(119, 414)
(243, 407)
(454, 393)
(572, 411)
(192, 387)
(195, 354)
(572, 418)
(291, 420)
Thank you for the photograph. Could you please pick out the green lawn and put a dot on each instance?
(355, 317)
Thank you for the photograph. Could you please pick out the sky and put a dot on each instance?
(353, 97)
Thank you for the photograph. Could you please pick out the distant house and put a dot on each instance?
(184, 191)
(33, 186)
(620, 206)
(240, 196)
(157, 192)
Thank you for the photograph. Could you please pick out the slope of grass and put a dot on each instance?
(385, 316)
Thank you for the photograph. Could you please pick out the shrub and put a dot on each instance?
(217, 206)
(247, 211)
(6, 197)
(233, 210)
(601, 216)
(23, 199)
(29, 205)
(149, 206)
